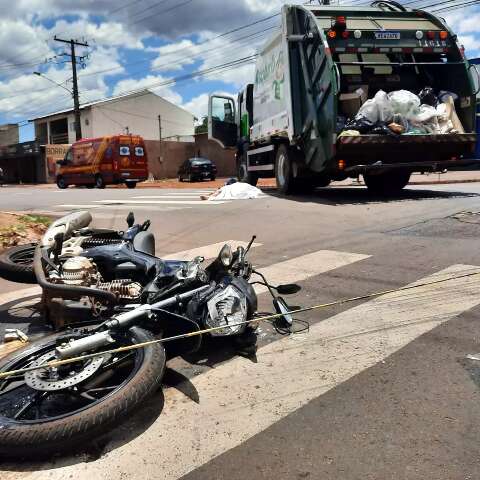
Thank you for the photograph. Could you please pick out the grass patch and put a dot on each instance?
(18, 229)
(35, 220)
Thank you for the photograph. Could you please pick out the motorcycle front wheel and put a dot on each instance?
(40, 416)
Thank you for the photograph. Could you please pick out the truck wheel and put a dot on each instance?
(61, 183)
(388, 183)
(286, 183)
(242, 171)
(99, 182)
(131, 184)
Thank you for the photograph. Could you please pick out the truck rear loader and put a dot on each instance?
(285, 124)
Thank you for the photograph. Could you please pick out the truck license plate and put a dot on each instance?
(387, 35)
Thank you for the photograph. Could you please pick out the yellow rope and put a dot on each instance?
(58, 363)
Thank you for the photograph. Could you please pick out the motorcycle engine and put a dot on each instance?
(227, 308)
(81, 271)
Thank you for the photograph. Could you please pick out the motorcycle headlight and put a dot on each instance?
(226, 255)
(227, 309)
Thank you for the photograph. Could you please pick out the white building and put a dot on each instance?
(143, 113)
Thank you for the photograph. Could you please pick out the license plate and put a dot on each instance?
(387, 35)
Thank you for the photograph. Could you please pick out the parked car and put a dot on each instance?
(197, 168)
(97, 162)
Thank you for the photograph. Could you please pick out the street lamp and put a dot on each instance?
(39, 74)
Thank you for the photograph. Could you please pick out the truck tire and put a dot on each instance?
(242, 171)
(16, 264)
(131, 185)
(388, 183)
(67, 431)
(286, 183)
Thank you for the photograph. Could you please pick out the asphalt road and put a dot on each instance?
(378, 389)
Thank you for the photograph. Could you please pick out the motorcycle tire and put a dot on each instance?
(38, 437)
(16, 264)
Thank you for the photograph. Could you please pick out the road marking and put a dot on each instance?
(306, 266)
(116, 207)
(208, 251)
(240, 399)
(171, 197)
(157, 202)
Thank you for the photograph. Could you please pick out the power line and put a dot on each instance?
(125, 6)
(161, 11)
(175, 52)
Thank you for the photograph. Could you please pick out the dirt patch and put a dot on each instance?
(16, 229)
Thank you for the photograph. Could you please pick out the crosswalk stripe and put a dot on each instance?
(169, 197)
(300, 268)
(240, 399)
(157, 202)
(207, 251)
(174, 195)
(145, 207)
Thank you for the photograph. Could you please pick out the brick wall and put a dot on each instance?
(175, 153)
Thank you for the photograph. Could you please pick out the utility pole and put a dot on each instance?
(160, 132)
(76, 101)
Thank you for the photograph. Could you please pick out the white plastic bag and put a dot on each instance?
(385, 110)
(425, 114)
(404, 102)
(368, 110)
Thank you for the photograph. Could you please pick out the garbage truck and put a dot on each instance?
(298, 121)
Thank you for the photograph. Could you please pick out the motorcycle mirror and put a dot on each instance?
(288, 289)
(281, 306)
(130, 219)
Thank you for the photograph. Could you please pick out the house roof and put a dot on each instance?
(106, 100)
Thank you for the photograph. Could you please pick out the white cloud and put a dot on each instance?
(149, 82)
(108, 33)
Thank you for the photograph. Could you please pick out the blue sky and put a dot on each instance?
(138, 44)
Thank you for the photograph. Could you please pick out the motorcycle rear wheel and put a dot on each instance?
(36, 423)
(16, 264)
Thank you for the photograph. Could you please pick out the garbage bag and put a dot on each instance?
(405, 103)
(444, 94)
(349, 133)
(368, 111)
(385, 110)
(425, 114)
(360, 124)
(428, 97)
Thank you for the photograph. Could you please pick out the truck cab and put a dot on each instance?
(316, 72)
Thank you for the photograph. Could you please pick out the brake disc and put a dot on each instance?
(49, 379)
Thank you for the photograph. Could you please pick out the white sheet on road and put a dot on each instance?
(236, 191)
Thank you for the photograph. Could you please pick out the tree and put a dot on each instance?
(203, 127)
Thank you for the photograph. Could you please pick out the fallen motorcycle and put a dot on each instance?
(104, 297)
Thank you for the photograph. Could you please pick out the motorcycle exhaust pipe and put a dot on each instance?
(82, 345)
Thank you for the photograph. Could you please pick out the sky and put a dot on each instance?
(136, 44)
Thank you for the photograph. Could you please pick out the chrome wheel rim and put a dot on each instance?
(281, 174)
